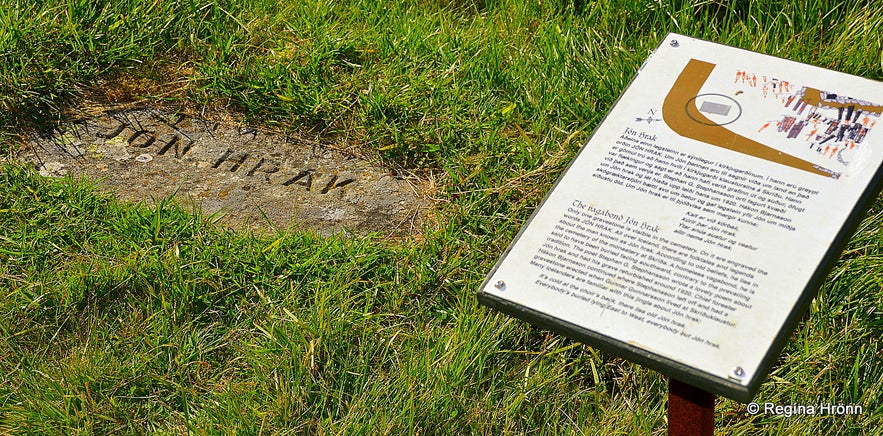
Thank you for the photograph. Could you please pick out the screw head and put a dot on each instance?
(739, 372)
(674, 43)
(500, 285)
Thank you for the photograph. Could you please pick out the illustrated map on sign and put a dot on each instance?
(771, 118)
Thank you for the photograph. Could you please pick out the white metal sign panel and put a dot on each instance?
(694, 226)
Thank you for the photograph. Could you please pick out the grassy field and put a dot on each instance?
(133, 319)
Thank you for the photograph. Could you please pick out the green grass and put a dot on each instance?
(144, 319)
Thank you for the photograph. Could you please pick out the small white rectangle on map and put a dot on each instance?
(715, 108)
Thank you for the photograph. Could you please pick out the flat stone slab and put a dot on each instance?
(247, 175)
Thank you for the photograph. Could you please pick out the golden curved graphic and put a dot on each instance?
(681, 114)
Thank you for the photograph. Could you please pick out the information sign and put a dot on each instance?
(694, 228)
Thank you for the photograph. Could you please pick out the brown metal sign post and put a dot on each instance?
(690, 410)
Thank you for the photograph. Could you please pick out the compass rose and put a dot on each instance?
(650, 118)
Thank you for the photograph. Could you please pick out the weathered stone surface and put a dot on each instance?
(248, 175)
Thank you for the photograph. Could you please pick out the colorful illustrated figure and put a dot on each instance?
(845, 120)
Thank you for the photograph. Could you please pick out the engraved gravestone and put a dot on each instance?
(249, 176)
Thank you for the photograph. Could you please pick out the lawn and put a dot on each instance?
(131, 319)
